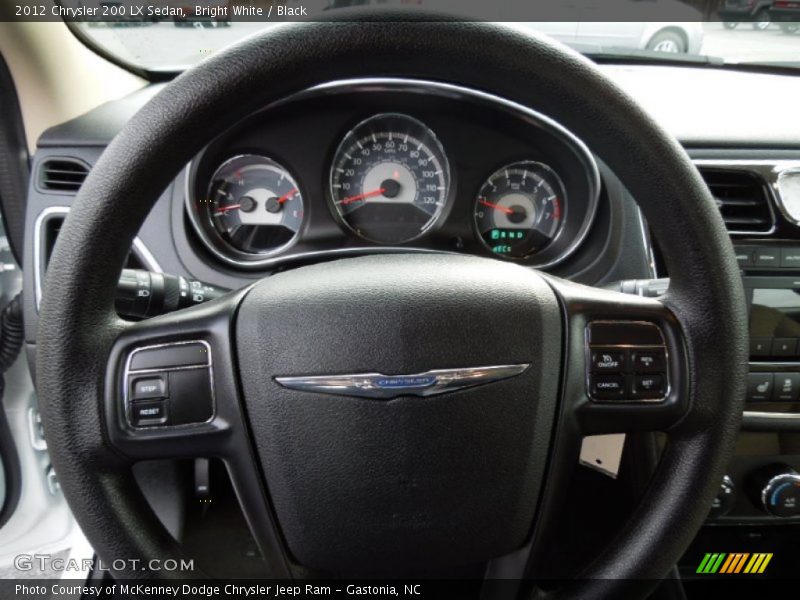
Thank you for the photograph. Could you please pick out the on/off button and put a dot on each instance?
(608, 360)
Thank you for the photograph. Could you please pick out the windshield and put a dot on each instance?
(171, 35)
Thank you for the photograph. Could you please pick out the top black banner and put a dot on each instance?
(132, 13)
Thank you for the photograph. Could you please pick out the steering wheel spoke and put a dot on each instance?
(625, 367)
(171, 388)
(171, 393)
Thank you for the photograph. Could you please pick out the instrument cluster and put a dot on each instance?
(391, 167)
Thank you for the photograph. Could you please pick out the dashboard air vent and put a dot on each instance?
(62, 175)
(742, 198)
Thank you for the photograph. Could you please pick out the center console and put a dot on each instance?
(772, 287)
(763, 481)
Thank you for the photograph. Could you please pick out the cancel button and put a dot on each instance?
(608, 387)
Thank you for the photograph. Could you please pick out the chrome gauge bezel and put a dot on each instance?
(207, 231)
(427, 139)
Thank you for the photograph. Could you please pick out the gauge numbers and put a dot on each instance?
(520, 209)
(389, 180)
(254, 205)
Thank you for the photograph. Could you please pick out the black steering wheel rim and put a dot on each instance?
(78, 325)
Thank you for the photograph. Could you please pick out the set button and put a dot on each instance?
(648, 386)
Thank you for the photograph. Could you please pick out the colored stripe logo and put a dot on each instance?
(734, 563)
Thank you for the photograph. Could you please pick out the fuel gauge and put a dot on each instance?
(253, 207)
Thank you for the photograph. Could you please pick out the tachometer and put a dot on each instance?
(520, 209)
(253, 206)
(390, 178)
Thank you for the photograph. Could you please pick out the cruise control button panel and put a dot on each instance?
(627, 362)
(169, 385)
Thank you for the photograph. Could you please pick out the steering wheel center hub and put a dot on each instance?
(418, 408)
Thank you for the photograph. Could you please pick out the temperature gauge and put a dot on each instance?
(253, 207)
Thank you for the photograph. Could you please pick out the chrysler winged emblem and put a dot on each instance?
(384, 387)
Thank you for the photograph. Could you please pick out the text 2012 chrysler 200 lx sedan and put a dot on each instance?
(388, 304)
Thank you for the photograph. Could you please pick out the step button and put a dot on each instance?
(146, 388)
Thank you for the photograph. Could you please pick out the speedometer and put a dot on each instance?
(390, 179)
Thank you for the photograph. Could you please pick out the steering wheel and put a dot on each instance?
(347, 485)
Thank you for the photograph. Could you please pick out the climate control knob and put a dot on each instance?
(777, 489)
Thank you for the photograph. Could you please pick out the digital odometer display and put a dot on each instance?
(389, 179)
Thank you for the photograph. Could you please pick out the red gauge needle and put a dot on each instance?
(508, 211)
(287, 196)
(224, 209)
(363, 196)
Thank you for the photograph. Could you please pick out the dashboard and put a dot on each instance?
(379, 166)
(391, 166)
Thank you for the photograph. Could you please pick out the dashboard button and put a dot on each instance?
(759, 387)
(648, 386)
(760, 346)
(767, 257)
(145, 388)
(786, 387)
(744, 256)
(790, 258)
(784, 347)
(149, 413)
(608, 359)
(608, 387)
